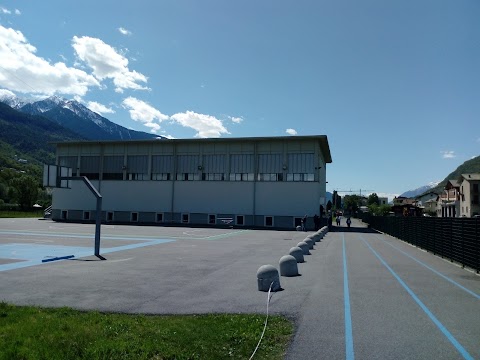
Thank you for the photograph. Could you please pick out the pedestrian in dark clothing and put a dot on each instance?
(304, 223)
(316, 221)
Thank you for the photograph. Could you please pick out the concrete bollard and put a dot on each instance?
(268, 275)
(310, 242)
(297, 253)
(304, 246)
(315, 237)
(288, 266)
(298, 228)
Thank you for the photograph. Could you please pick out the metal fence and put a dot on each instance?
(457, 239)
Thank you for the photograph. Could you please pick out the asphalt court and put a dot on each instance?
(31, 242)
(359, 295)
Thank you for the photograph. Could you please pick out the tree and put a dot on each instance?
(329, 205)
(351, 203)
(373, 199)
(25, 191)
(381, 210)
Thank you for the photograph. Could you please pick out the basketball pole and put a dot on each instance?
(98, 217)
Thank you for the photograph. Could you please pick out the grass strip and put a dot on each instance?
(21, 214)
(28, 333)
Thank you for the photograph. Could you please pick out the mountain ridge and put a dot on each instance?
(76, 117)
(468, 167)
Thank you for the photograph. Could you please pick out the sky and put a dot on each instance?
(395, 85)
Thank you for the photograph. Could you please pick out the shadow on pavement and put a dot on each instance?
(355, 229)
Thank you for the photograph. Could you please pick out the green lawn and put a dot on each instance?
(21, 214)
(40, 333)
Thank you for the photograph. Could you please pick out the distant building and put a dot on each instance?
(469, 195)
(422, 199)
(383, 200)
(401, 200)
(448, 203)
(253, 182)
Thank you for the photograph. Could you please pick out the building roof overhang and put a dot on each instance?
(322, 141)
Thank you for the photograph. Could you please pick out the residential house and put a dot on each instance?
(428, 201)
(469, 194)
(382, 200)
(448, 203)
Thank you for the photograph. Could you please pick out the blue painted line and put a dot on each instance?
(33, 254)
(348, 316)
(433, 270)
(437, 322)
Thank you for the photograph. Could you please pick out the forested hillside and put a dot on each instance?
(25, 145)
(468, 167)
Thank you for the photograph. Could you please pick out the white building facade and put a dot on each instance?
(251, 182)
(469, 195)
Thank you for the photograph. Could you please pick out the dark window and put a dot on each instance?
(268, 220)
(134, 216)
(112, 176)
(159, 217)
(211, 219)
(91, 176)
(86, 215)
(64, 214)
(185, 218)
(475, 188)
(475, 200)
(240, 220)
(109, 216)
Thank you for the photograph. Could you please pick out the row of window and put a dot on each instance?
(212, 219)
(185, 218)
(234, 163)
(204, 176)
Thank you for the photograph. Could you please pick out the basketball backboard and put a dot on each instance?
(52, 175)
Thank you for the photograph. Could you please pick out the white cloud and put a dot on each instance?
(99, 108)
(448, 154)
(291, 131)
(108, 63)
(24, 71)
(124, 31)
(18, 12)
(205, 125)
(236, 120)
(5, 11)
(141, 111)
(4, 93)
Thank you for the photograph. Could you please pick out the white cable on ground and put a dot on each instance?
(266, 320)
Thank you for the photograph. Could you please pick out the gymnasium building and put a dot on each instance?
(269, 182)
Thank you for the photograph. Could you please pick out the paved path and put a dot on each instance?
(361, 295)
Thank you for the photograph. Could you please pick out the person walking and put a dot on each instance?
(304, 223)
(349, 222)
(316, 222)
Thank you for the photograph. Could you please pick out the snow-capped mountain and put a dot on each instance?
(9, 98)
(420, 190)
(72, 115)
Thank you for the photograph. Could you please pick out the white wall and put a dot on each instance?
(272, 198)
(288, 198)
(214, 197)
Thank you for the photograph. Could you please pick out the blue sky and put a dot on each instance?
(395, 85)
